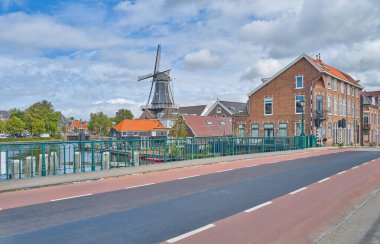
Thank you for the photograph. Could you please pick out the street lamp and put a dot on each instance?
(302, 103)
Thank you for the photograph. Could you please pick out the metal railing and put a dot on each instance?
(37, 159)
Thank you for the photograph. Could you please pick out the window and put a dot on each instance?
(353, 109)
(348, 89)
(268, 106)
(255, 130)
(353, 91)
(209, 123)
(329, 104)
(283, 129)
(342, 87)
(340, 107)
(348, 108)
(135, 133)
(219, 110)
(335, 132)
(222, 123)
(357, 92)
(241, 130)
(335, 84)
(336, 106)
(298, 105)
(298, 129)
(344, 107)
(329, 132)
(124, 133)
(329, 82)
(299, 81)
(319, 104)
(268, 130)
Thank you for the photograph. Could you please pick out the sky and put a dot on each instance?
(84, 56)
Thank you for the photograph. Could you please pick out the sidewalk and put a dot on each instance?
(362, 225)
(11, 185)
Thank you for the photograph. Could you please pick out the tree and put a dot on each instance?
(37, 126)
(44, 111)
(18, 113)
(100, 123)
(14, 125)
(2, 126)
(179, 128)
(122, 114)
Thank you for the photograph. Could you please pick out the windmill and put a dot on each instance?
(162, 91)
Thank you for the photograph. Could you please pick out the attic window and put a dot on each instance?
(222, 123)
(219, 110)
(209, 122)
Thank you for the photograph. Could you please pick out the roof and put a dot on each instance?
(204, 126)
(192, 110)
(366, 100)
(231, 107)
(372, 93)
(5, 114)
(78, 124)
(319, 65)
(139, 125)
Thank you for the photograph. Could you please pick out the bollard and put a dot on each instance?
(30, 167)
(40, 164)
(53, 163)
(16, 169)
(106, 160)
(3, 163)
(78, 162)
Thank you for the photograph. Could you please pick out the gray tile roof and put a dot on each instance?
(192, 110)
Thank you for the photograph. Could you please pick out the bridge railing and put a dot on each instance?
(37, 159)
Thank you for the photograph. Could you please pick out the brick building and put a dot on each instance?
(330, 94)
(371, 118)
(226, 108)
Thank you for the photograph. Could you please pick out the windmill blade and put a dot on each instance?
(150, 93)
(143, 77)
(158, 59)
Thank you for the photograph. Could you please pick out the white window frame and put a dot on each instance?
(336, 106)
(342, 86)
(295, 103)
(335, 84)
(329, 105)
(303, 85)
(265, 102)
(329, 82)
(348, 89)
(348, 108)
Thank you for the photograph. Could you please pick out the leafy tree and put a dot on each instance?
(122, 114)
(43, 111)
(14, 125)
(179, 128)
(100, 123)
(2, 126)
(37, 126)
(18, 113)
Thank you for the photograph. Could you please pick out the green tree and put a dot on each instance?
(37, 126)
(2, 126)
(100, 123)
(18, 113)
(44, 111)
(179, 128)
(14, 125)
(122, 114)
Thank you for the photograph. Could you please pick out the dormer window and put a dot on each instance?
(299, 81)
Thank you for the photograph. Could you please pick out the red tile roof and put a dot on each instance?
(139, 125)
(203, 126)
(372, 93)
(331, 70)
(79, 124)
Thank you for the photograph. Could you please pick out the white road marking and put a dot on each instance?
(187, 177)
(373, 160)
(148, 184)
(324, 180)
(190, 233)
(221, 171)
(296, 191)
(355, 167)
(257, 207)
(249, 166)
(366, 163)
(65, 198)
(342, 172)
(1, 209)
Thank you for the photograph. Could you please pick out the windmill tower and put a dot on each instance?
(162, 91)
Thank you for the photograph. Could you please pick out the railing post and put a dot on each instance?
(43, 159)
(92, 156)
(165, 146)
(133, 152)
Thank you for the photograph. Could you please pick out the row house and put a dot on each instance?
(371, 118)
(330, 94)
(77, 126)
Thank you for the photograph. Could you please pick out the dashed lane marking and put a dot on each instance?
(257, 207)
(342, 172)
(65, 198)
(296, 191)
(148, 184)
(187, 177)
(190, 233)
(324, 180)
(221, 171)
(355, 167)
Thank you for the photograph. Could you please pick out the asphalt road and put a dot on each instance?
(159, 212)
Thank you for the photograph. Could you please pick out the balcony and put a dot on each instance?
(323, 115)
(366, 126)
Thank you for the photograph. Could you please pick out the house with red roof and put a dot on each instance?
(207, 126)
(331, 96)
(140, 128)
(76, 127)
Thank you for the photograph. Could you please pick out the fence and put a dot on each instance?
(27, 160)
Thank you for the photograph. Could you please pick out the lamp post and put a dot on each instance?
(302, 103)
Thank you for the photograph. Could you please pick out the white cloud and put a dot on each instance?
(202, 59)
(261, 68)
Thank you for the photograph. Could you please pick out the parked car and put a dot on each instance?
(3, 136)
(25, 134)
(44, 135)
